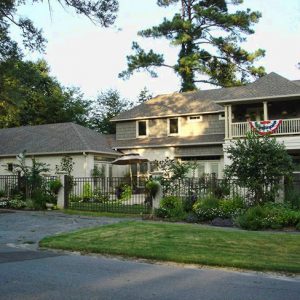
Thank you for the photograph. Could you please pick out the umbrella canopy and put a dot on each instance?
(129, 159)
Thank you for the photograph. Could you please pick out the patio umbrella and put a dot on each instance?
(130, 159)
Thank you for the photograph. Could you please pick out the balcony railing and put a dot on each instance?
(288, 126)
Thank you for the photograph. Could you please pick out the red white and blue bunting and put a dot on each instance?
(265, 127)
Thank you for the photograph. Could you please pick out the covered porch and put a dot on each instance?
(238, 115)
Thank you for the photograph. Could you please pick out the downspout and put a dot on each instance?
(85, 164)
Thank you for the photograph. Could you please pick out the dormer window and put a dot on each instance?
(142, 130)
(173, 126)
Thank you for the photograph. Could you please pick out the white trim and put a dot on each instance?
(178, 125)
(196, 118)
(62, 153)
(221, 117)
(169, 145)
(137, 129)
(168, 116)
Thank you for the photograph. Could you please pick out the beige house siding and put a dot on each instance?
(126, 130)
(199, 151)
(210, 124)
(83, 165)
(158, 128)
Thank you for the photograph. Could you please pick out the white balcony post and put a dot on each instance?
(266, 117)
(226, 122)
(230, 121)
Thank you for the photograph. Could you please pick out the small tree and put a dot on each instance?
(66, 165)
(258, 164)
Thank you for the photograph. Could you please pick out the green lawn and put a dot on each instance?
(100, 214)
(186, 243)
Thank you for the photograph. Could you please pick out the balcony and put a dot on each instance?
(287, 127)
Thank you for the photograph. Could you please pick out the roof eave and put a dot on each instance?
(167, 116)
(169, 145)
(256, 99)
(62, 153)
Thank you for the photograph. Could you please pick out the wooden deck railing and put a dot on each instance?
(287, 127)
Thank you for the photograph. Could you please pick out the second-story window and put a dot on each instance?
(173, 126)
(142, 128)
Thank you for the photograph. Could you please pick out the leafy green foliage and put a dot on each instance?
(66, 165)
(126, 193)
(292, 197)
(144, 95)
(270, 215)
(209, 208)
(208, 33)
(30, 96)
(17, 202)
(54, 186)
(108, 105)
(101, 12)
(171, 208)
(258, 163)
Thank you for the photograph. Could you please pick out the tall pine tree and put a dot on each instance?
(208, 34)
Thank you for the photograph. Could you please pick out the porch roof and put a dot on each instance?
(269, 87)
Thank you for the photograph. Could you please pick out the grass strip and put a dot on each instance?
(100, 214)
(187, 243)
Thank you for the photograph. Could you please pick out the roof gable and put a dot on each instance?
(52, 138)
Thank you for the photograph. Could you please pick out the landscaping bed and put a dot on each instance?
(187, 243)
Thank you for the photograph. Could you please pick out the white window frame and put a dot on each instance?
(199, 118)
(223, 118)
(137, 129)
(173, 134)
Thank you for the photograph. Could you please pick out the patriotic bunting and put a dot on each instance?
(265, 127)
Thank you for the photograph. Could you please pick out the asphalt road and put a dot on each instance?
(28, 273)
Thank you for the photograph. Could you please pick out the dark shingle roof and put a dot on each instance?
(271, 85)
(296, 82)
(169, 141)
(170, 105)
(52, 138)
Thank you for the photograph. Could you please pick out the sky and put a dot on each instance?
(90, 57)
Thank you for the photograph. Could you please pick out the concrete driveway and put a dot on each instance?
(29, 273)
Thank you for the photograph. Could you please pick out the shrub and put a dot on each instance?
(206, 208)
(171, 207)
(292, 197)
(298, 226)
(87, 191)
(126, 193)
(189, 202)
(209, 208)
(230, 208)
(252, 218)
(100, 197)
(270, 215)
(17, 202)
(54, 186)
(152, 187)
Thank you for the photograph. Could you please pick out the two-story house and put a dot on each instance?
(200, 125)
(186, 126)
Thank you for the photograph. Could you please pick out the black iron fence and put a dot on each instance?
(202, 187)
(107, 194)
(11, 185)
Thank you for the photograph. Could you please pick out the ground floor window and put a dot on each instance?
(205, 166)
